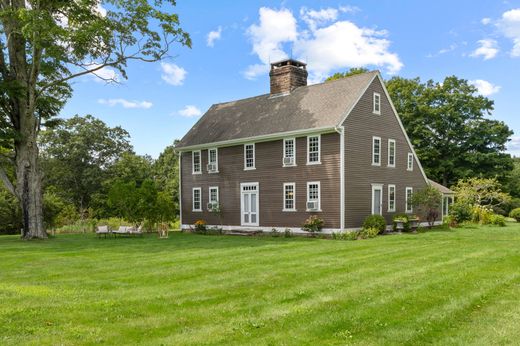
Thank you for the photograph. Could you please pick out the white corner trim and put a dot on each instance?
(180, 188)
(341, 131)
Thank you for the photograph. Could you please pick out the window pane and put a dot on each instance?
(212, 156)
(289, 197)
(289, 148)
(314, 149)
(250, 155)
(196, 161)
(253, 203)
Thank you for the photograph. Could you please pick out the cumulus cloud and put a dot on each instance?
(485, 21)
(173, 74)
(213, 36)
(190, 111)
(484, 87)
(105, 74)
(509, 25)
(126, 103)
(488, 49)
(514, 146)
(325, 42)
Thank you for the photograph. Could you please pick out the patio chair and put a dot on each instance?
(121, 231)
(102, 230)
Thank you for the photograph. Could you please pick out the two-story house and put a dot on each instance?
(336, 149)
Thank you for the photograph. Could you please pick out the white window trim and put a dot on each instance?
(294, 148)
(193, 199)
(374, 111)
(395, 153)
(319, 150)
(391, 210)
(373, 153)
(209, 194)
(216, 159)
(193, 162)
(319, 195)
(377, 187)
(294, 197)
(409, 162)
(254, 157)
(406, 200)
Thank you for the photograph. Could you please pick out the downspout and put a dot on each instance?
(180, 189)
(341, 131)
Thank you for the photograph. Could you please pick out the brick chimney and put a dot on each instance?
(287, 75)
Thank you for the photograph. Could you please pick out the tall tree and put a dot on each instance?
(77, 154)
(166, 171)
(46, 44)
(449, 126)
(353, 71)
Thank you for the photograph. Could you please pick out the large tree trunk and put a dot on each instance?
(28, 180)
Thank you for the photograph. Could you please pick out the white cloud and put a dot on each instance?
(509, 25)
(105, 74)
(173, 74)
(190, 111)
(484, 87)
(214, 36)
(275, 29)
(488, 49)
(485, 21)
(126, 103)
(326, 43)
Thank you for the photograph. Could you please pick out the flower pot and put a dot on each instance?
(414, 224)
(399, 226)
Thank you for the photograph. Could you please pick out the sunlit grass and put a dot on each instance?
(441, 287)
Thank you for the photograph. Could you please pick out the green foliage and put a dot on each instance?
(460, 212)
(428, 202)
(353, 71)
(481, 191)
(167, 174)
(10, 213)
(405, 219)
(497, 220)
(375, 221)
(460, 140)
(481, 214)
(515, 214)
(200, 226)
(512, 184)
(345, 235)
(369, 232)
(287, 233)
(113, 223)
(313, 224)
(275, 233)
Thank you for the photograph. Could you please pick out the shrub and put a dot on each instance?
(481, 214)
(460, 212)
(350, 235)
(498, 220)
(213, 231)
(515, 214)
(375, 221)
(275, 232)
(428, 201)
(200, 226)
(449, 221)
(369, 232)
(313, 224)
(287, 233)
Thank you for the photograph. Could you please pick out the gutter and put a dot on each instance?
(341, 131)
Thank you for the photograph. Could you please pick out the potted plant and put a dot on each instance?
(414, 223)
(400, 221)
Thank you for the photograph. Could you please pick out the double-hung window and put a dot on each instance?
(391, 198)
(313, 196)
(197, 199)
(213, 198)
(289, 152)
(249, 156)
(409, 164)
(196, 162)
(289, 197)
(377, 104)
(213, 160)
(376, 151)
(409, 193)
(391, 153)
(313, 150)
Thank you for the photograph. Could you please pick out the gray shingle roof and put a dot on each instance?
(311, 107)
(441, 188)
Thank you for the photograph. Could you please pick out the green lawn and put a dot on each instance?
(441, 287)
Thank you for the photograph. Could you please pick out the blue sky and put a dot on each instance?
(234, 41)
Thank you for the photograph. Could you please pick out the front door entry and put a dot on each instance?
(249, 204)
(377, 199)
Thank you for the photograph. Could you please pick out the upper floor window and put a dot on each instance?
(313, 196)
(213, 160)
(196, 164)
(313, 150)
(213, 198)
(409, 193)
(391, 153)
(376, 151)
(249, 156)
(409, 164)
(197, 199)
(391, 198)
(289, 152)
(289, 203)
(377, 104)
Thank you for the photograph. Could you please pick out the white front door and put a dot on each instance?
(249, 204)
(377, 199)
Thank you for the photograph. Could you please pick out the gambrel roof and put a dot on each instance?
(318, 106)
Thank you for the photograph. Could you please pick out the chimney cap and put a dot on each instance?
(286, 62)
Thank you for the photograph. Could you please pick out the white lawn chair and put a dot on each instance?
(102, 230)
